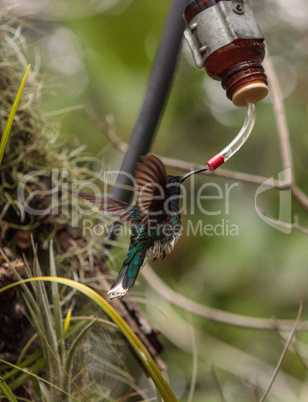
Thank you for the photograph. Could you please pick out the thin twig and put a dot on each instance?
(285, 350)
(111, 132)
(193, 381)
(300, 197)
(180, 164)
(217, 383)
(284, 134)
(281, 120)
(222, 173)
(213, 314)
(295, 225)
(64, 111)
(108, 129)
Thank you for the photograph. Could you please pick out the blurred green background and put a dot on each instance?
(99, 54)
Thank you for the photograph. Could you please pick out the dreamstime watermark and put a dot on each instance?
(163, 196)
(208, 199)
(284, 221)
(191, 228)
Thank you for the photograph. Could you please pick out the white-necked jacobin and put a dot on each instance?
(154, 220)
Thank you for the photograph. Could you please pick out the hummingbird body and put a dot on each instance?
(154, 220)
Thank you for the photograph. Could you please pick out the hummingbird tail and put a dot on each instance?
(128, 274)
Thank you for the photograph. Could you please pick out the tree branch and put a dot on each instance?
(109, 131)
(286, 225)
(281, 120)
(300, 197)
(213, 314)
(284, 352)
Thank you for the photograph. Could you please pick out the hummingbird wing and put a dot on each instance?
(151, 184)
(126, 212)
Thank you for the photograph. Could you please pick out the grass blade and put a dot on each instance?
(9, 122)
(66, 323)
(55, 296)
(31, 374)
(144, 356)
(5, 390)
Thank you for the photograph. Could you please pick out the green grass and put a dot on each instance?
(9, 122)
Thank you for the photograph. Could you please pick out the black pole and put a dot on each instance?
(155, 98)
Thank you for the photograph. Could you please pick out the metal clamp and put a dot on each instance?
(197, 52)
(219, 25)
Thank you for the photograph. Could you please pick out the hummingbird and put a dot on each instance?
(154, 219)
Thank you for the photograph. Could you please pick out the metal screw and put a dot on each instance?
(238, 8)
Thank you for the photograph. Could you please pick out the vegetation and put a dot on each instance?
(225, 302)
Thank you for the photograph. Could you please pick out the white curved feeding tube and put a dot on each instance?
(237, 142)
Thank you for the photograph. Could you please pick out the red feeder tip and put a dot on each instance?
(215, 162)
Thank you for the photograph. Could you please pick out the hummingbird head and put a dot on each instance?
(175, 182)
(174, 188)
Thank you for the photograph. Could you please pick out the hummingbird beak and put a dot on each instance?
(191, 173)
